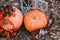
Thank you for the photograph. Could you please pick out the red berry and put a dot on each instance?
(7, 6)
(13, 15)
(6, 10)
(8, 35)
(14, 34)
(1, 13)
(14, 10)
(1, 30)
(10, 31)
(0, 24)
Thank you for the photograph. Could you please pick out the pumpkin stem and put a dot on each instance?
(34, 16)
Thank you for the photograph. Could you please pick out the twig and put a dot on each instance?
(34, 33)
(56, 14)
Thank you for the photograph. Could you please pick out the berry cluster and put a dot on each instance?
(6, 11)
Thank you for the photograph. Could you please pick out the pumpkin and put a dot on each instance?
(11, 19)
(14, 21)
(35, 20)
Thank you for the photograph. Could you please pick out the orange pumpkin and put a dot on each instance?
(35, 20)
(14, 21)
